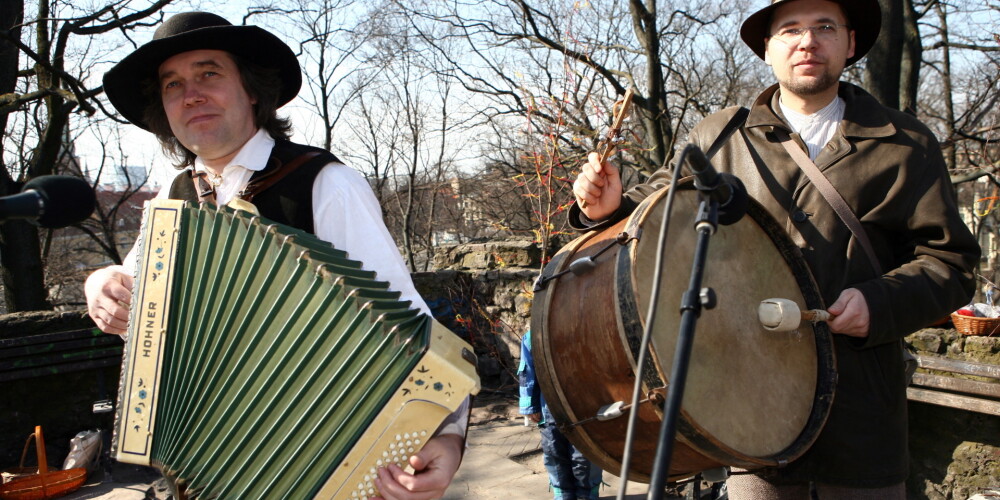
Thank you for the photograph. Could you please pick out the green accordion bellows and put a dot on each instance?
(261, 362)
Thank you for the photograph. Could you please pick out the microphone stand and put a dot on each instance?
(691, 304)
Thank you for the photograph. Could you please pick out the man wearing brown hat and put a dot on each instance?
(210, 91)
(888, 168)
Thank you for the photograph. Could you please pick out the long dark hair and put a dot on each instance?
(260, 82)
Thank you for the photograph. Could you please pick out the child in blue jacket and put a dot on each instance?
(571, 475)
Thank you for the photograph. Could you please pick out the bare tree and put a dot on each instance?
(519, 51)
(397, 132)
(543, 74)
(420, 102)
(70, 254)
(959, 99)
(117, 215)
(52, 87)
(883, 67)
(329, 43)
(377, 132)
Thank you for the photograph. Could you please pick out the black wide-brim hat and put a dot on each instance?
(864, 16)
(197, 31)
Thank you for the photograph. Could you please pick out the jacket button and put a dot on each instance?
(800, 216)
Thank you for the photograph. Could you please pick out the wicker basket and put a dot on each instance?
(973, 325)
(43, 484)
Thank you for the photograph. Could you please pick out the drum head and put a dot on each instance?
(750, 392)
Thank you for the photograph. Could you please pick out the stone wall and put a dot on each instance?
(483, 292)
(954, 454)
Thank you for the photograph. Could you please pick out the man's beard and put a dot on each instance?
(811, 86)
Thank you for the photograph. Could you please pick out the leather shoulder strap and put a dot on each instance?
(832, 196)
(734, 123)
(259, 184)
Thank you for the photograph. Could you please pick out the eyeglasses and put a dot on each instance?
(825, 32)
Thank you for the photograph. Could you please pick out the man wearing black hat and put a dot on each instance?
(210, 91)
(888, 168)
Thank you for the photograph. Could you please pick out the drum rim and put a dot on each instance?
(550, 384)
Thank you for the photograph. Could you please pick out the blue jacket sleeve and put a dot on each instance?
(530, 401)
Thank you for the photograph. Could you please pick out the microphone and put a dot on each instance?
(725, 189)
(51, 201)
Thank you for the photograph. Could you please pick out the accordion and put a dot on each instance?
(261, 362)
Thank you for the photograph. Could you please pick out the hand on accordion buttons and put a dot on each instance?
(109, 293)
(435, 466)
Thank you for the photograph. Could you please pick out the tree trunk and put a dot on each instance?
(21, 271)
(23, 279)
(882, 70)
(651, 108)
(11, 16)
(912, 53)
(948, 145)
(57, 113)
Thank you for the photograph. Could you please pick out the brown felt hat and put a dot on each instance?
(197, 31)
(864, 17)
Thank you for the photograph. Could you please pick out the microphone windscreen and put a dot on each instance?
(66, 200)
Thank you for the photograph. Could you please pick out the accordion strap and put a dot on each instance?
(256, 186)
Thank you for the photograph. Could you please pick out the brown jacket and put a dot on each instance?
(889, 168)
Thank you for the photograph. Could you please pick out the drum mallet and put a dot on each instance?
(783, 315)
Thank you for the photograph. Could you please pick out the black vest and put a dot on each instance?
(289, 201)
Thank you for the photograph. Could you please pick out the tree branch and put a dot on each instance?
(980, 48)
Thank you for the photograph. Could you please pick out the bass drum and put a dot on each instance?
(753, 397)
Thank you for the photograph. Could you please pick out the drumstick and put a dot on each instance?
(783, 315)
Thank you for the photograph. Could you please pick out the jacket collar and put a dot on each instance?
(864, 117)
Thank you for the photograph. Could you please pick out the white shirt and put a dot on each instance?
(818, 128)
(345, 213)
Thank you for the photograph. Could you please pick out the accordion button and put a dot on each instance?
(398, 437)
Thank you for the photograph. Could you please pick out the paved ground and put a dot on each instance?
(504, 462)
